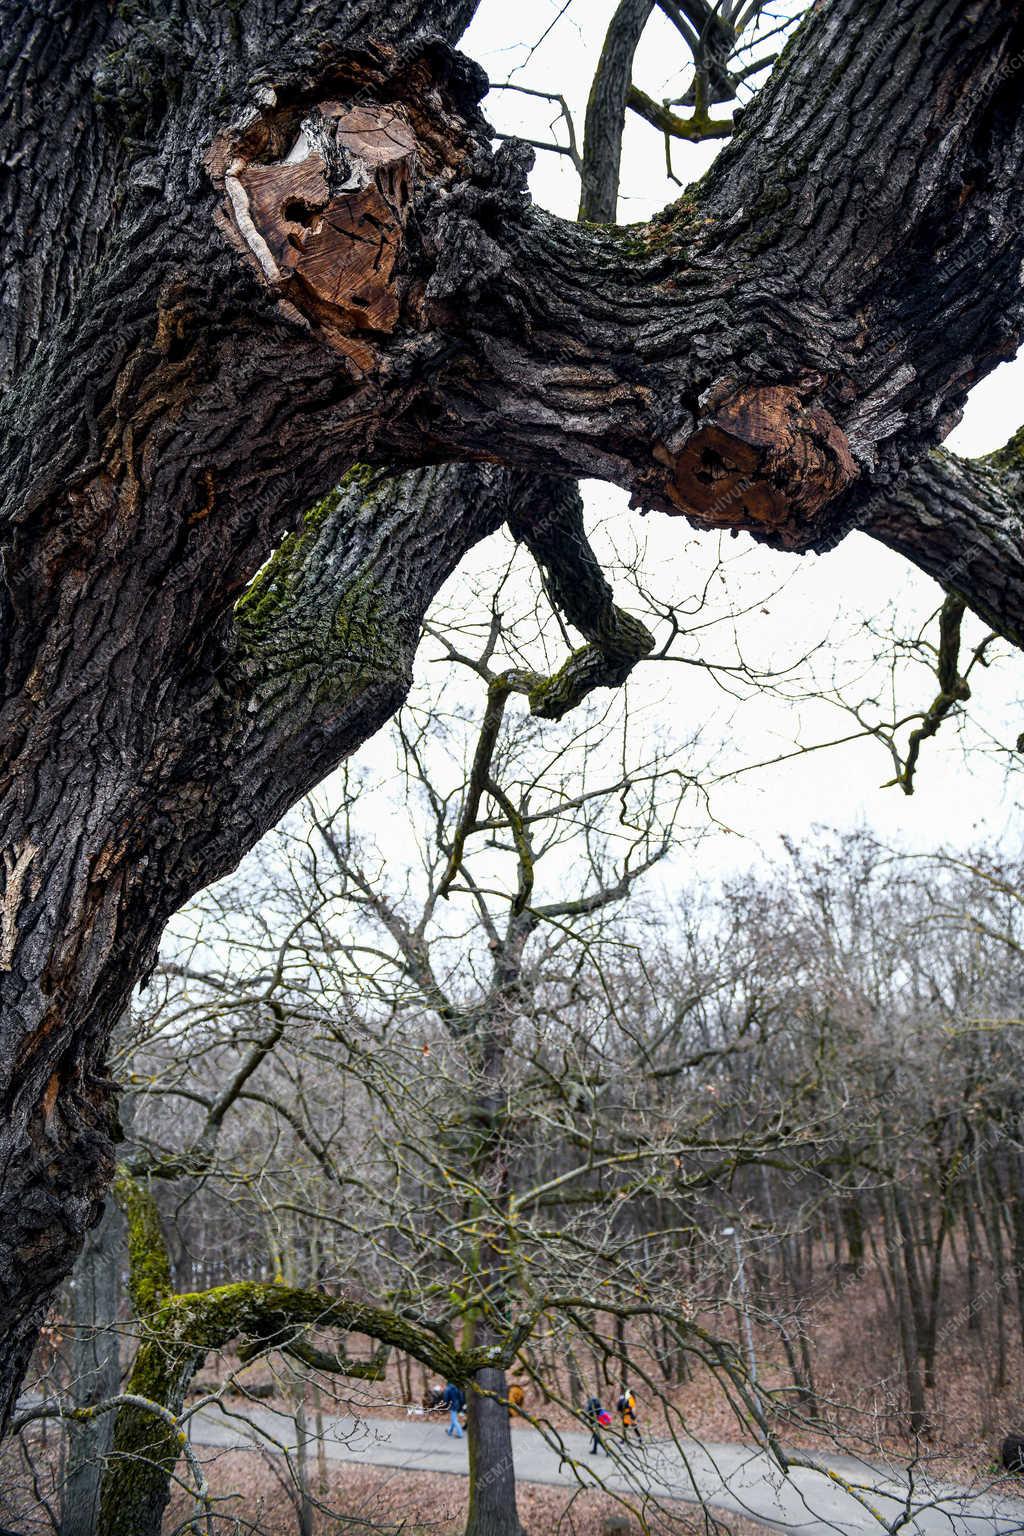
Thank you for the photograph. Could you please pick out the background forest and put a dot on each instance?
(491, 1044)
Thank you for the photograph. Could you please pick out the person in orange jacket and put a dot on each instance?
(627, 1412)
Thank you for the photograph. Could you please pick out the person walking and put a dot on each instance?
(627, 1412)
(598, 1418)
(454, 1401)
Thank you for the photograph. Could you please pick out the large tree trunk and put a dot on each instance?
(250, 246)
(301, 680)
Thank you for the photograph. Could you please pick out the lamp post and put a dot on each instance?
(748, 1332)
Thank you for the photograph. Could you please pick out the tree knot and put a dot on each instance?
(761, 460)
(325, 223)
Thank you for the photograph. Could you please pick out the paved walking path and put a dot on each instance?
(731, 1477)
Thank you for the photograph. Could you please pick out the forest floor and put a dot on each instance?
(388, 1500)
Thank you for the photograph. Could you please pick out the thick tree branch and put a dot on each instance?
(962, 521)
(606, 112)
(547, 515)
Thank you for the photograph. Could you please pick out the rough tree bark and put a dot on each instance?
(962, 521)
(606, 112)
(249, 246)
(492, 1478)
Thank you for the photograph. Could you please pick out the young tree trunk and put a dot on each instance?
(492, 1478)
(942, 1232)
(838, 1230)
(917, 1421)
(322, 1480)
(973, 1251)
(619, 1328)
(883, 1269)
(908, 1253)
(801, 1377)
(404, 1365)
(808, 1367)
(666, 1354)
(1017, 1217)
(95, 1368)
(577, 1391)
(306, 1511)
(804, 1376)
(994, 1236)
(853, 1225)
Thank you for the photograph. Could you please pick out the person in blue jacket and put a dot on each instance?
(596, 1419)
(454, 1401)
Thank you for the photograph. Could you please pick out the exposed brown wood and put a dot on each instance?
(326, 228)
(761, 460)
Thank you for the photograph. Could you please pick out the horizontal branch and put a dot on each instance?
(695, 129)
(962, 521)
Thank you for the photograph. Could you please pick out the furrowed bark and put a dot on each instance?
(250, 249)
(492, 1480)
(96, 1370)
(606, 111)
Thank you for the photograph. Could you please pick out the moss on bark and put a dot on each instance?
(149, 1268)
